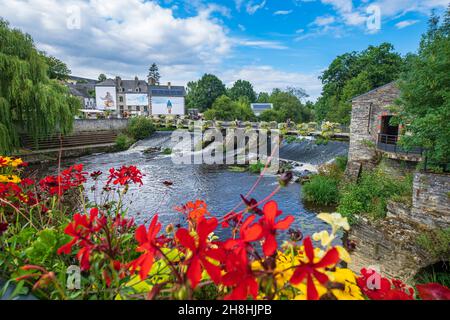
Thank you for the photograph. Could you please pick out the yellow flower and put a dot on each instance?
(350, 290)
(335, 220)
(324, 237)
(16, 162)
(10, 178)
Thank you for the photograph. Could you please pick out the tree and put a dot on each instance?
(56, 68)
(226, 109)
(263, 97)
(352, 74)
(28, 97)
(242, 88)
(153, 72)
(425, 99)
(201, 94)
(300, 93)
(101, 77)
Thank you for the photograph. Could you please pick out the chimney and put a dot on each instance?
(136, 79)
(151, 81)
(168, 85)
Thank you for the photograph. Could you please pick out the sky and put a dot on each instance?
(271, 43)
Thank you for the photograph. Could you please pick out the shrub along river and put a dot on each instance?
(217, 185)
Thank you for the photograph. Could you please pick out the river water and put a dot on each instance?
(216, 185)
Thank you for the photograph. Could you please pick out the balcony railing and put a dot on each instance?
(388, 143)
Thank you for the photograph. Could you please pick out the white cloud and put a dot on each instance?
(261, 44)
(405, 23)
(324, 21)
(282, 12)
(241, 27)
(253, 7)
(391, 8)
(123, 37)
(266, 78)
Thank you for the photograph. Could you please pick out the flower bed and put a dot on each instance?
(42, 239)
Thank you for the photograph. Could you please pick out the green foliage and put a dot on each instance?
(227, 110)
(101, 77)
(370, 195)
(43, 249)
(322, 190)
(167, 151)
(123, 142)
(425, 97)
(201, 94)
(355, 73)
(256, 167)
(263, 97)
(341, 162)
(56, 68)
(140, 127)
(437, 243)
(28, 96)
(242, 88)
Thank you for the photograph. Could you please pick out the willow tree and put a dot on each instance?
(30, 102)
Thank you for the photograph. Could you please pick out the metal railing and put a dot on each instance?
(387, 142)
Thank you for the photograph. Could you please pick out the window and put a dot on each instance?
(138, 108)
(120, 99)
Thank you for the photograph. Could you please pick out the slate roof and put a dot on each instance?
(393, 83)
(80, 90)
(132, 85)
(75, 78)
(164, 91)
(107, 83)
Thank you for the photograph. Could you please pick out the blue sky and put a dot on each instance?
(272, 43)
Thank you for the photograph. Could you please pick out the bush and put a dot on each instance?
(140, 127)
(123, 142)
(370, 195)
(321, 190)
(256, 167)
(167, 151)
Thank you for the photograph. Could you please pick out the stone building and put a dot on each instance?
(135, 97)
(371, 133)
(85, 93)
(390, 244)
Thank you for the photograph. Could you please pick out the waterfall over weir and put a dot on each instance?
(306, 150)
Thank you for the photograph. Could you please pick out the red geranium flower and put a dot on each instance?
(247, 233)
(194, 210)
(433, 291)
(240, 277)
(270, 227)
(310, 269)
(201, 251)
(376, 287)
(81, 229)
(125, 175)
(148, 246)
(3, 227)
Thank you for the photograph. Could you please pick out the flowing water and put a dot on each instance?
(216, 185)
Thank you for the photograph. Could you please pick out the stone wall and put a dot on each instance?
(367, 110)
(431, 200)
(83, 125)
(390, 244)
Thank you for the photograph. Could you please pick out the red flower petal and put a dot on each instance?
(185, 239)
(309, 250)
(270, 210)
(311, 291)
(433, 291)
(299, 275)
(330, 258)
(270, 245)
(194, 272)
(285, 223)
